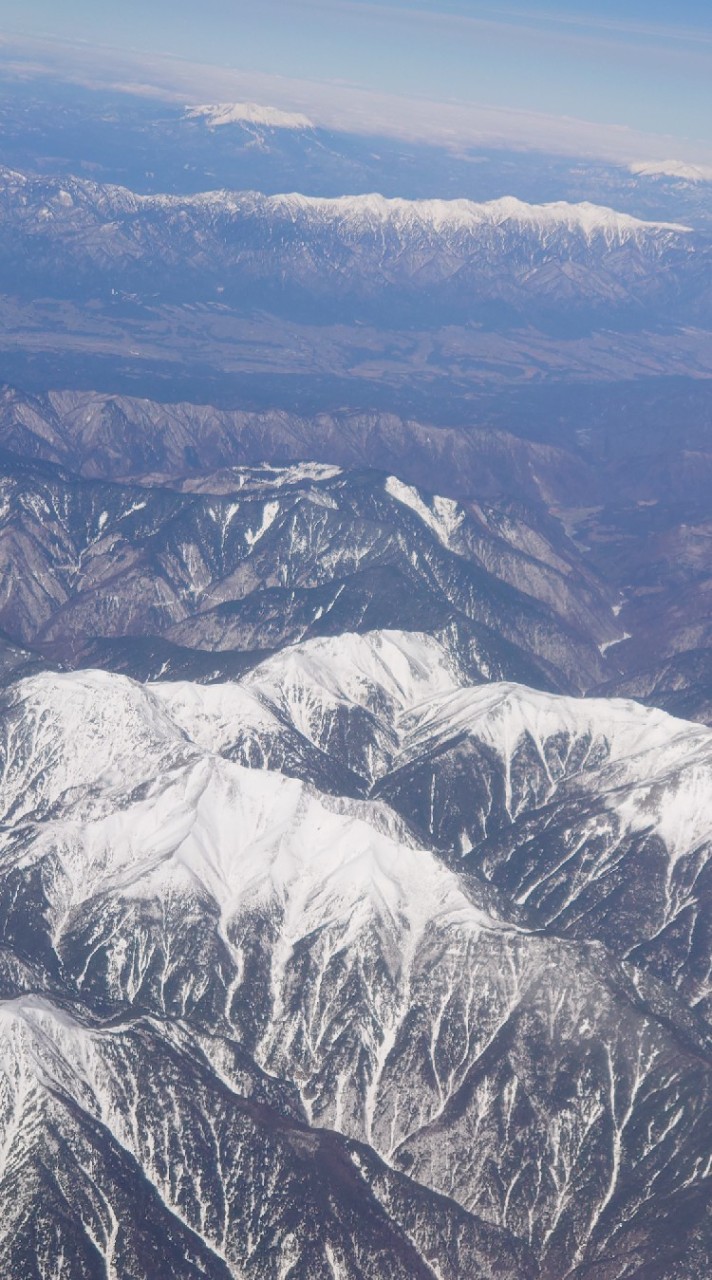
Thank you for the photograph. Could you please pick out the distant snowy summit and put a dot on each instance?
(248, 113)
(672, 169)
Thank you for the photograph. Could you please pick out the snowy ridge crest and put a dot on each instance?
(356, 214)
(466, 215)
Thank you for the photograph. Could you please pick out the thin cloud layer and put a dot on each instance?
(346, 107)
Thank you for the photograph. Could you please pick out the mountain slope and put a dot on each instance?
(276, 555)
(591, 814)
(627, 508)
(158, 1146)
(112, 437)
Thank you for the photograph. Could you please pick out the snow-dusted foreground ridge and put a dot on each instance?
(352, 968)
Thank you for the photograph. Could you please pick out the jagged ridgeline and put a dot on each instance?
(250, 560)
(168, 574)
(500, 261)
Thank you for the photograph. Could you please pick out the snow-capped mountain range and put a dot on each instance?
(352, 924)
(249, 249)
(329, 997)
(360, 213)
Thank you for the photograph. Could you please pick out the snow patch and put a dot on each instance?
(609, 644)
(444, 518)
(135, 506)
(269, 515)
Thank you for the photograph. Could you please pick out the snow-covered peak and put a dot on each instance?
(502, 715)
(393, 670)
(672, 169)
(364, 211)
(150, 774)
(84, 732)
(248, 113)
(243, 840)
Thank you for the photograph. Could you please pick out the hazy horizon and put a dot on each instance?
(620, 81)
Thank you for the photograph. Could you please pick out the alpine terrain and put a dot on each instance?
(355, 694)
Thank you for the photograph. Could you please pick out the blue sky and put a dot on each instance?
(644, 66)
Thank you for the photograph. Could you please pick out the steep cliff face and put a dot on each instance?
(232, 992)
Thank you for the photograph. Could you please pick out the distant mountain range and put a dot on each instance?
(153, 145)
(430, 308)
(354, 258)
